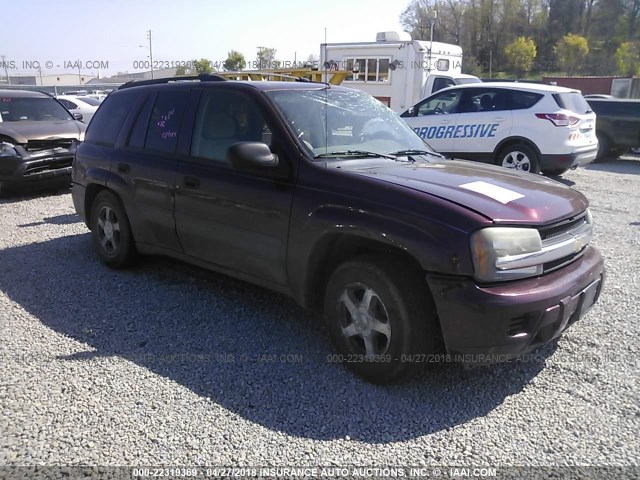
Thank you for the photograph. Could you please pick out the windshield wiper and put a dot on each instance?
(354, 153)
(415, 152)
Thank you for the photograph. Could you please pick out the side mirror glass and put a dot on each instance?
(77, 116)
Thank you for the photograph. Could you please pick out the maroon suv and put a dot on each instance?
(324, 194)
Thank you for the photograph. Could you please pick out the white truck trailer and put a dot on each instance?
(396, 70)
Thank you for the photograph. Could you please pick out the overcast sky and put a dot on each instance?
(62, 31)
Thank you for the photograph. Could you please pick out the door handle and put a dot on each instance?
(124, 168)
(499, 119)
(191, 182)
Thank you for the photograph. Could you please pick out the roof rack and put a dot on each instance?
(203, 77)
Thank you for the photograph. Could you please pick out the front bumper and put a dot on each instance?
(569, 160)
(491, 324)
(45, 168)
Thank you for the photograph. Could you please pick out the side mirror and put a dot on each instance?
(411, 112)
(252, 156)
(77, 116)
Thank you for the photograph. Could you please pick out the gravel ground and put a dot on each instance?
(169, 364)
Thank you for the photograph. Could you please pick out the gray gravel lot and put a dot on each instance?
(170, 364)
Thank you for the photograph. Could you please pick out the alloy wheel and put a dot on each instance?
(364, 320)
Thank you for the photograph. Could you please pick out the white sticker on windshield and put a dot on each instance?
(502, 195)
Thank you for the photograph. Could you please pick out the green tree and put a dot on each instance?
(520, 54)
(235, 61)
(266, 58)
(181, 71)
(628, 58)
(571, 51)
(202, 66)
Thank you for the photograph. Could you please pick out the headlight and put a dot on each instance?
(505, 253)
(7, 150)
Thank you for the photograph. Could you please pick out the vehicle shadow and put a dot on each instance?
(566, 181)
(67, 219)
(23, 194)
(254, 352)
(617, 165)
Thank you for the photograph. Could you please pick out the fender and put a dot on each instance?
(435, 246)
(515, 139)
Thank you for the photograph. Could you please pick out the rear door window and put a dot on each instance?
(165, 121)
(485, 100)
(106, 123)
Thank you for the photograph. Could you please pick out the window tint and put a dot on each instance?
(109, 118)
(166, 117)
(225, 118)
(139, 129)
(572, 101)
(522, 100)
(446, 102)
(442, 82)
(485, 100)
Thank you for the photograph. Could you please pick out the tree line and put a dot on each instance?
(235, 62)
(533, 37)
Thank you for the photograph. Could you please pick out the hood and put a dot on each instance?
(24, 131)
(502, 195)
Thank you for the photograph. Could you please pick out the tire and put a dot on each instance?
(400, 320)
(111, 231)
(604, 149)
(556, 172)
(519, 157)
(618, 151)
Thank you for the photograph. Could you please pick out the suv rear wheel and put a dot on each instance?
(380, 315)
(519, 157)
(111, 231)
(604, 149)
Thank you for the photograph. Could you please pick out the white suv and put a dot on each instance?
(525, 126)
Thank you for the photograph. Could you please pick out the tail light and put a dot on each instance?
(559, 119)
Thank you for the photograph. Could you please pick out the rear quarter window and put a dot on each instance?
(523, 100)
(109, 118)
(572, 101)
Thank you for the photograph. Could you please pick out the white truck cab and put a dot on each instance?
(395, 69)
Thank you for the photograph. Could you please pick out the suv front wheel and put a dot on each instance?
(381, 317)
(111, 231)
(519, 157)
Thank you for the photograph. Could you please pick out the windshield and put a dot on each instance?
(16, 109)
(331, 121)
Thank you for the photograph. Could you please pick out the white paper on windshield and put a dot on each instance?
(502, 195)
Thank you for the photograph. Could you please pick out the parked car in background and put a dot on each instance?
(529, 127)
(85, 105)
(324, 194)
(38, 138)
(617, 127)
